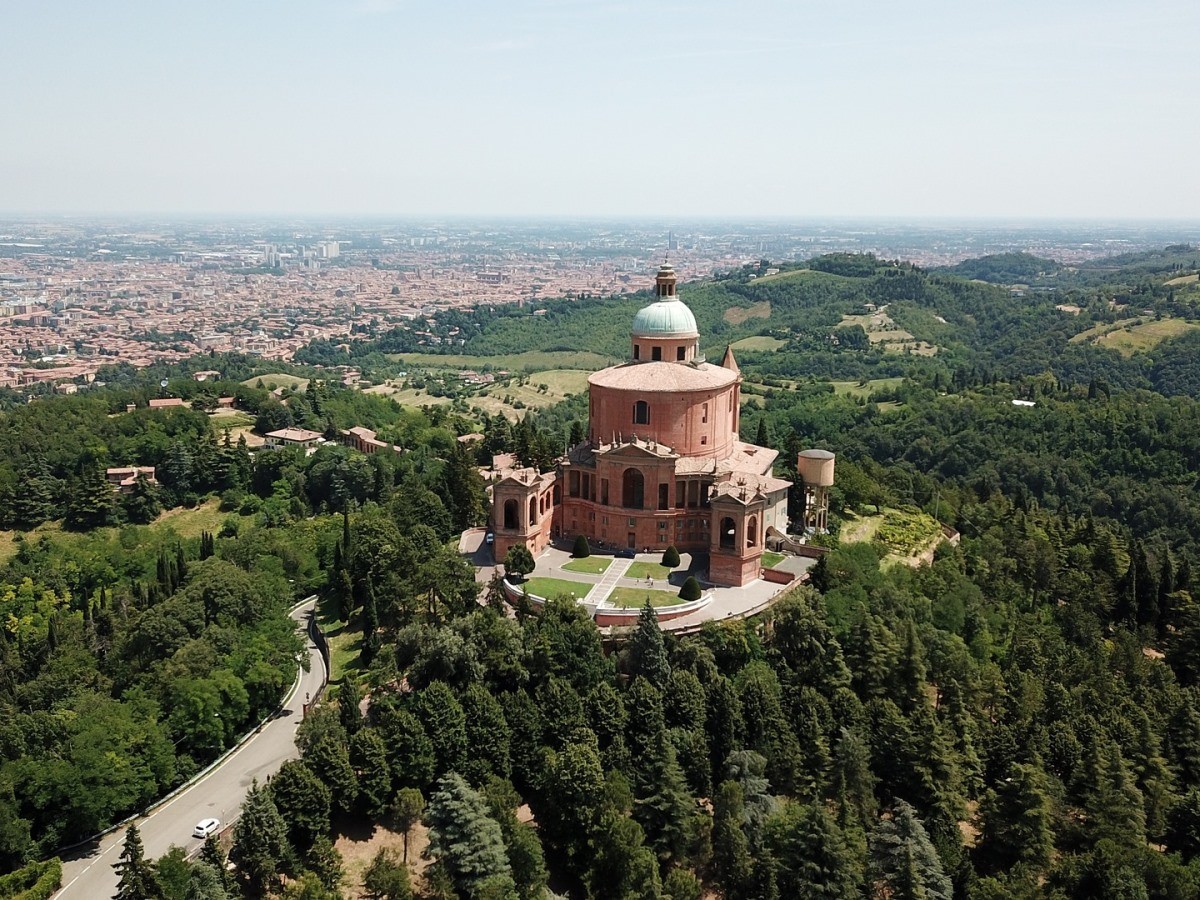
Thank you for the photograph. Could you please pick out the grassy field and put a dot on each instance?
(770, 559)
(643, 570)
(592, 565)
(1128, 336)
(277, 380)
(555, 587)
(1145, 336)
(759, 342)
(855, 389)
(636, 597)
(736, 315)
(406, 396)
(189, 523)
(1182, 279)
(231, 419)
(530, 361)
(558, 383)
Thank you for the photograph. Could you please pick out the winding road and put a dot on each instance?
(90, 875)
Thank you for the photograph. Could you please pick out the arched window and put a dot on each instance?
(633, 487)
(510, 514)
(728, 534)
(641, 413)
(533, 510)
(752, 532)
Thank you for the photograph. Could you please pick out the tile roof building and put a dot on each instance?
(663, 462)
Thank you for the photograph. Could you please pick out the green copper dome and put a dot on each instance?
(664, 318)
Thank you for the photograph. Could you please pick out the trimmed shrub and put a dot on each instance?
(36, 881)
(670, 557)
(582, 550)
(690, 590)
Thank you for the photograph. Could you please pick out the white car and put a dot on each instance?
(205, 827)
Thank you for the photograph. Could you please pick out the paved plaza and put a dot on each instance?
(727, 602)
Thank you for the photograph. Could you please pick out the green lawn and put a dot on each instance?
(770, 559)
(636, 597)
(556, 587)
(344, 642)
(592, 565)
(644, 570)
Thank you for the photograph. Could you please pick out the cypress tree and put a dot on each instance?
(349, 702)
(904, 859)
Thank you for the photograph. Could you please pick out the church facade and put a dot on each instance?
(663, 462)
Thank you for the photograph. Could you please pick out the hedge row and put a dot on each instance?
(36, 881)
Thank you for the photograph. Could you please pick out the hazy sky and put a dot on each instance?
(589, 107)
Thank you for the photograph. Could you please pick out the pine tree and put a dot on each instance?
(903, 857)
(733, 863)
(260, 845)
(810, 853)
(445, 724)
(464, 838)
(303, 800)
(647, 651)
(212, 854)
(137, 881)
(368, 756)
(1115, 805)
(910, 672)
(1017, 822)
(622, 866)
(329, 759)
(722, 724)
(90, 503)
(386, 878)
(488, 736)
(852, 777)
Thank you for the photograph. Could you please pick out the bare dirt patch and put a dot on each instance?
(358, 849)
(736, 315)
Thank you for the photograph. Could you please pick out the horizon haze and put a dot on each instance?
(596, 109)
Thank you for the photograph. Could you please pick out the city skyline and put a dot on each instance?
(599, 109)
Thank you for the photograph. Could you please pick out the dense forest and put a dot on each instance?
(1019, 717)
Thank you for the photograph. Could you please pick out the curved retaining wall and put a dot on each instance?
(605, 615)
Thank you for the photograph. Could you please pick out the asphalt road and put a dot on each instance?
(219, 794)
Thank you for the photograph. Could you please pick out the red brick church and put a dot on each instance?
(663, 463)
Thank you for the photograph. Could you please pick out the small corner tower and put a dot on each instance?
(815, 468)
